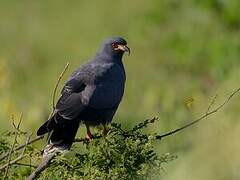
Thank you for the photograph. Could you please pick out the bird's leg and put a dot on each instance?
(89, 135)
(105, 130)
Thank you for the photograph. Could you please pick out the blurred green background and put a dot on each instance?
(183, 53)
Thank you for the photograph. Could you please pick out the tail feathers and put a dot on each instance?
(64, 135)
(62, 131)
(46, 127)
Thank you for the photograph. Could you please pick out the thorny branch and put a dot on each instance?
(208, 113)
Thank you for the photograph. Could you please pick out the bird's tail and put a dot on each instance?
(62, 133)
(48, 126)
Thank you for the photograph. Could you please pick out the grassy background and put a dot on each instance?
(183, 53)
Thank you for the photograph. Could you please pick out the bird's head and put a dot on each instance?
(115, 47)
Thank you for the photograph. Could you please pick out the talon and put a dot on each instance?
(89, 136)
(53, 148)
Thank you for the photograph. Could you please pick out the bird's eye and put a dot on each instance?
(114, 45)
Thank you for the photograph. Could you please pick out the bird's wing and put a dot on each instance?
(69, 104)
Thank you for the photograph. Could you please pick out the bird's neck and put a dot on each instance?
(109, 58)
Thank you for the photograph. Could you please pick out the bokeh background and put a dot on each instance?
(183, 53)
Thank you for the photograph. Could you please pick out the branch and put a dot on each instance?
(208, 113)
(20, 157)
(13, 161)
(28, 165)
(22, 146)
(13, 145)
(143, 124)
(211, 103)
(47, 159)
(45, 163)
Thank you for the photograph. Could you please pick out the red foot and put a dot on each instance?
(89, 136)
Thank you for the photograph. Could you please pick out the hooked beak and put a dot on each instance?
(124, 48)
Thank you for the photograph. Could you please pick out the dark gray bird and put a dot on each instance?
(91, 95)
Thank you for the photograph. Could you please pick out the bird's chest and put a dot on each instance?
(112, 89)
(107, 90)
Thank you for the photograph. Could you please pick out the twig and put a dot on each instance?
(211, 103)
(20, 157)
(45, 163)
(77, 140)
(54, 96)
(28, 165)
(18, 126)
(22, 146)
(208, 113)
(13, 161)
(13, 145)
(143, 124)
(57, 84)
